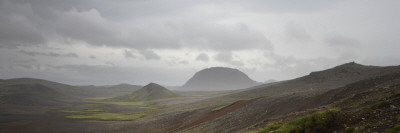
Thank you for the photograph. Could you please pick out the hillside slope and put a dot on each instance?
(27, 91)
(319, 81)
(350, 98)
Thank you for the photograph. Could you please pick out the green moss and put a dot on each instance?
(316, 122)
(98, 98)
(218, 108)
(109, 116)
(349, 130)
(71, 111)
(138, 103)
(357, 130)
(2, 100)
(380, 105)
(94, 110)
(86, 111)
(395, 129)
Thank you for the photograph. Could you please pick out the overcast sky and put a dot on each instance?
(166, 41)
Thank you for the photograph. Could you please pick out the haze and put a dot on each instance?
(109, 42)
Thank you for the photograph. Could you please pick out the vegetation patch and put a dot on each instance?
(395, 129)
(101, 115)
(2, 100)
(357, 129)
(218, 108)
(109, 116)
(316, 122)
(98, 98)
(71, 111)
(137, 103)
(380, 105)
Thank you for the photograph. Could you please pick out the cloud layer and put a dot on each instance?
(266, 39)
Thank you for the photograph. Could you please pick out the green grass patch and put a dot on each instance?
(380, 105)
(98, 98)
(2, 100)
(109, 116)
(395, 129)
(94, 110)
(137, 103)
(316, 122)
(81, 112)
(71, 111)
(218, 108)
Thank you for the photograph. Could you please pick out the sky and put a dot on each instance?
(103, 42)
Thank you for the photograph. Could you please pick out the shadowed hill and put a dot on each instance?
(151, 91)
(219, 78)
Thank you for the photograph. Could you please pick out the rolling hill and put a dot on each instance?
(28, 91)
(151, 91)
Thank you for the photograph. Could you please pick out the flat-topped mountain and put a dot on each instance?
(151, 91)
(219, 78)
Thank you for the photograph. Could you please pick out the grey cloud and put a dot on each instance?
(297, 33)
(17, 26)
(297, 67)
(89, 25)
(202, 57)
(92, 57)
(279, 6)
(223, 37)
(183, 62)
(129, 54)
(227, 57)
(150, 55)
(340, 40)
(106, 75)
(49, 54)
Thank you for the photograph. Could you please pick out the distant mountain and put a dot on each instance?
(151, 91)
(219, 78)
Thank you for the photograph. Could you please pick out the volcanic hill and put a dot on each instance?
(219, 78)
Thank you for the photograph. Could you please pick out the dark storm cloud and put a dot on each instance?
(202, 57)
(49, 54)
